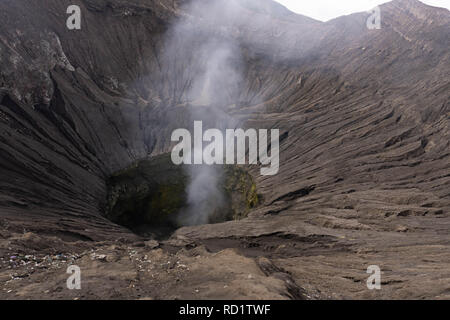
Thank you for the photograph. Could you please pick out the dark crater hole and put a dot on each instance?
(149, 196)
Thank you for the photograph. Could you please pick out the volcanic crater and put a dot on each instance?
(86, 118)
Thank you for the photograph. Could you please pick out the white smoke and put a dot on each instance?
(212, 79)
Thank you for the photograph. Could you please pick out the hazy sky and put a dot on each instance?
(328, 9)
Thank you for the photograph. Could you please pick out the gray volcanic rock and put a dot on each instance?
(364, 116)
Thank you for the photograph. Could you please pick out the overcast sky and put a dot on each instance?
(328, 9)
